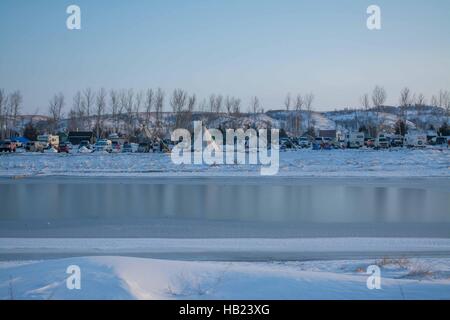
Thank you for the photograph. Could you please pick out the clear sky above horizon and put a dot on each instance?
(232, 47)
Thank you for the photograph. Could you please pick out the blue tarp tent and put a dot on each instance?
(22, 140)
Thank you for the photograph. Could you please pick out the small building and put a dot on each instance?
(75, 137)
(328, 134)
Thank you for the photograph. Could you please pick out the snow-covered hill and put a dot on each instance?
(291, 121)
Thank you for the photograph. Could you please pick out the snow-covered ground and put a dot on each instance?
(429, 162)
(138, 278)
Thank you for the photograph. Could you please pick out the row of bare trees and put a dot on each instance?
(124, 106)
(129, 110)
(407, 101)
(10, 108)
(298, 105)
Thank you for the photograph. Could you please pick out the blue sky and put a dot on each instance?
(236, 47)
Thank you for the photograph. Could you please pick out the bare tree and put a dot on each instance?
(159, 106)
(420, 105)
(88, 103)
(186, 115)
(444, 98)
(100, 107)
(308, 99)
(76, 113)
(138, 104)
(444, 102)
(434, 101)
(255, 105)
(287, 102)
(114, 102)
(219, 104)
(229, 104)
(236, 106)
(378, 97)
(3, 104)
(178, 102)
(149, 101)
(365, 102)
(129, 109)
(15, 101)
(299, 102)
(56, 106)
(405, 102)
(212, 103)
(192, 102)
(421, 100)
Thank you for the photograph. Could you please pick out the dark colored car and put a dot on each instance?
(7, 146)
(116, 146)
(441, 141)
(144, 147)
(369, 142)
(127, 148)
(63, 147)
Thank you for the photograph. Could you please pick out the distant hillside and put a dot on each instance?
(292, 121)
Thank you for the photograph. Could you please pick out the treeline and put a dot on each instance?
(129, 110)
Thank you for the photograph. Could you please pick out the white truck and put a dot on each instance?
(382, 141)
(415, 139)
(355, 139)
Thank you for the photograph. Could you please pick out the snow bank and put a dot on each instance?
(136, 278)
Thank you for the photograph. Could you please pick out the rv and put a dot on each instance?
(48, 140)
(355, 139)
(414, 139)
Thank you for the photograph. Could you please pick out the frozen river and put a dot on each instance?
(231, 218)
(224, 207)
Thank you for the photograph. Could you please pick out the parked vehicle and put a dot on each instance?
(441, 141)
(63, 147)
(48, 140)
(355, 139)
(116, 147)
(127, 148)
(286, 143)
(303, 142)
(144, 147)
(415, 140)
(86, 144)
(8, 146)
(103, 145)
(34, 146)
(397, 141)
(69, 145)
(369, 142)
(317, 144)
(329, 143)
(381, 142)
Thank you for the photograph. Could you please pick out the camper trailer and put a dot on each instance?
(415, 139)
(355, 139)
(48, 140)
